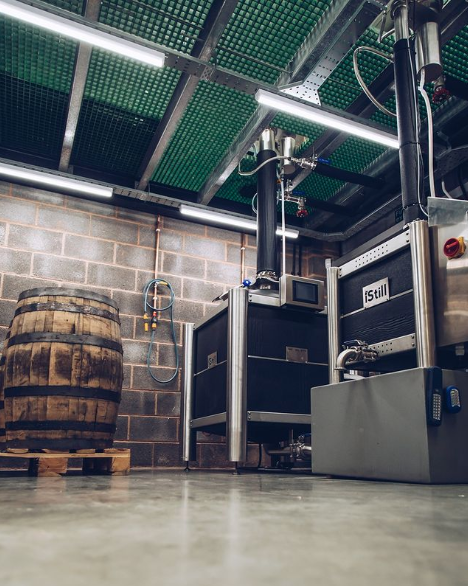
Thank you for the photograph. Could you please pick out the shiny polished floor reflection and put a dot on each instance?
(172, 528)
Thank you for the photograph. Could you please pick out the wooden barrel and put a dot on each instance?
(63, 371)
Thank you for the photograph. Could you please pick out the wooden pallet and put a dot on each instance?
(113, 461)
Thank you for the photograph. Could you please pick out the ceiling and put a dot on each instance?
(124, 103)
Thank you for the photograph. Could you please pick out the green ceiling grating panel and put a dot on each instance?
(111, 139)
(353, 155)
(266, 33)
(134, 87)
(341, 88)
(233, 186)
(213, 119)
(454, 56)
(258, 30)
(172, 23)
(300, 127)
(356, 154)
(36, 71)
(131, 99)
(75, 6)
(35, 55)
(31, 117)
(319, 187)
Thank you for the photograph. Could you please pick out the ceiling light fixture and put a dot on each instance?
(229, 220)
(81, 32)
(326, 118)
(50, 180)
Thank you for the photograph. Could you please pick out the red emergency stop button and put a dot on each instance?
(454, 247)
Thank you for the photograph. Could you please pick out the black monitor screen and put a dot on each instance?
(305, 292)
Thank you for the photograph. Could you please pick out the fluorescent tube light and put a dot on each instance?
(319, 116)
(51, 180)
(81, 32)
(228, 220)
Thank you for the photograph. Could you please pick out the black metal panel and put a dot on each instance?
(262, 433)
(396, 267)
(389, 320)
(266, 213)
(209, 389)
(272, 385)
(270, 433)
(282, 387)
(271, 330)
(209, 338)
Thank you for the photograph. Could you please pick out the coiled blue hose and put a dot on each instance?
(147, 307)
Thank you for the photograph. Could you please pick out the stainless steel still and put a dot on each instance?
(333, 309)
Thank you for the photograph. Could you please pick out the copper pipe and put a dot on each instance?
(156, 260)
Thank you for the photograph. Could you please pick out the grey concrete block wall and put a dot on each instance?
(49, 239)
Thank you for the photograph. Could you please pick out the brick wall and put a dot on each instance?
(49, 239)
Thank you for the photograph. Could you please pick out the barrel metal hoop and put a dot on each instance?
(62, 292)
(65, 339)
(69, 308)
(63, 391)
(60, 426)
(61, 444)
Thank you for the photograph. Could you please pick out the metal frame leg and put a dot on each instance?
(423, 300)
(188, 441)
(236, 400)
(333, 308)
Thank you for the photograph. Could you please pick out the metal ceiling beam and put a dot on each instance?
(80, 74)
(329, 31)
(216, 21)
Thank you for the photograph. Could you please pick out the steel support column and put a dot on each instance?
(236, 400)
(80, 75)
(187, 434)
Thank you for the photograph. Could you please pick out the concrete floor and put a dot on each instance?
(172, 528)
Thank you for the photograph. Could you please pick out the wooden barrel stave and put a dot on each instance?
(38, 364)
(2, 395)
(2, 407)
